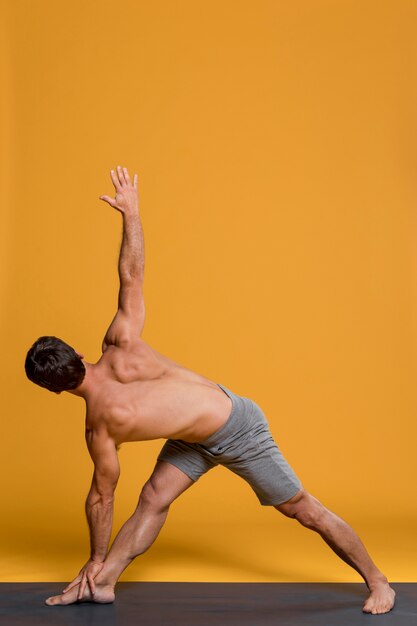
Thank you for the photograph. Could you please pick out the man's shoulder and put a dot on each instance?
(114, 350)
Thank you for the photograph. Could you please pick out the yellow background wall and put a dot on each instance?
(276, 149)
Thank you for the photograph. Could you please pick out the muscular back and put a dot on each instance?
(141, 394)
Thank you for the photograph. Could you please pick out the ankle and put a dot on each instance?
(376, 581)
(104, 579)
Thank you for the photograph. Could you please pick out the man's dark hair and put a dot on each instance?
(53, 364)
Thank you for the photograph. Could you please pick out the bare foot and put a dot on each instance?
(381, 599)
(104, 594)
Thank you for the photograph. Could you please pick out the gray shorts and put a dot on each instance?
(245, 446)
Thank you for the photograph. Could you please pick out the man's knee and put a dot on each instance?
(305, 508)
(165, 484)
(154, 496)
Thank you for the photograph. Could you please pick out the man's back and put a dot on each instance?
(141, 394)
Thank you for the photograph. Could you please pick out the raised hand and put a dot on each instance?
(126, 199)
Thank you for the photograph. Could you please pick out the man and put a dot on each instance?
(134, 393)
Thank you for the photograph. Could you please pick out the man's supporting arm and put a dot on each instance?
(100, 500)
(99, 512)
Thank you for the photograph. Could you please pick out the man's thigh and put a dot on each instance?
(257, 459)
(191, 458)
(269, 474)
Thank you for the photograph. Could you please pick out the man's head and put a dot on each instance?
(55, 365)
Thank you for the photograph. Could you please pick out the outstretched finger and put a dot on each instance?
(82, 587)
(91, 584)
(110, 201)
(135, 181)
(126, 174)
(115, 179)
(121, 175)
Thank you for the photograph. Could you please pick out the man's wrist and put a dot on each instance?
(97, 559)
(131, 211)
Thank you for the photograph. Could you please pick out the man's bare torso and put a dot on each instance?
(141, 394)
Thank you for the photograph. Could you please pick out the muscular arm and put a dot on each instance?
(129, 320)
(132, 250)
(100, 499)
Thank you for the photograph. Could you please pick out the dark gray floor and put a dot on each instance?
(203, 604)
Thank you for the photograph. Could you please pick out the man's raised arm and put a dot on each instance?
(132, 252)
(129, 319)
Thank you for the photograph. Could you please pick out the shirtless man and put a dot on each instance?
(134, 393)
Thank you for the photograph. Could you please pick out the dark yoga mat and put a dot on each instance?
(204, 604)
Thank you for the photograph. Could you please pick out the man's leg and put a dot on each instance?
(138, 533)
(166, 483)
(344, 541)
